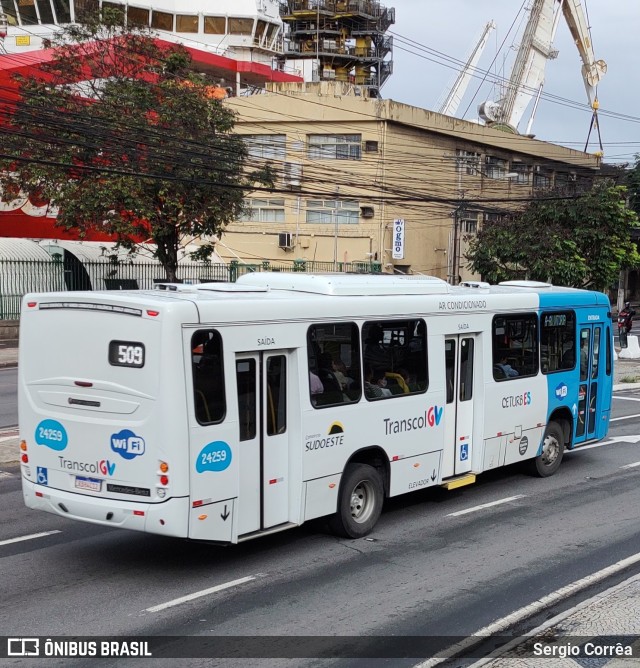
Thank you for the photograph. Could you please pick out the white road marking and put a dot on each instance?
(7, 438)
(626, 398)
(501, 625)
(198, 594)
(612, 441)
(630, 466)
(29, 537)
(625, 417)
(486, 505)
(5, 474)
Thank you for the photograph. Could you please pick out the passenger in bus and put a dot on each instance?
(315, 384)
(327, 375)
(375, 384)
(340, 372)
(509, 371)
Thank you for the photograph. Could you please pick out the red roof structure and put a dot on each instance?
(35, 220)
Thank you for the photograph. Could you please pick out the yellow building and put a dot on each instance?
(349, 167)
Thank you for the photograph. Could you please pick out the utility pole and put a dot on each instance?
(454, 261)
(455, 252)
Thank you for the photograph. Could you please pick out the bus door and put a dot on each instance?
(264, 400)
(591, 369)
(460, 353)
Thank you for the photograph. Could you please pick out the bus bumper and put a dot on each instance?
(170, 518)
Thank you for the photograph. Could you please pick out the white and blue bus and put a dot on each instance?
(223, 412)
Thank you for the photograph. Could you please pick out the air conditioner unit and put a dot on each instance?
(285, 241)
(367, 211)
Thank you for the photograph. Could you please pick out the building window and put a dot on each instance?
(468, 162)
(83, 7)
(522, 172)
(186, 23)
(495, 168)
(46, 13)
(263, 211)
(27, 9)
(272, 31)
(215, 25)
(136, 16)
(469, 225)
(238, 26)
(493, 217)
(542, 180)
(267, 147)
(162, 21)
(335, 147)
(333, 212)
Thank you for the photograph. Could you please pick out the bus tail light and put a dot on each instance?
(163, 479)
(24, 458)
(23, 446)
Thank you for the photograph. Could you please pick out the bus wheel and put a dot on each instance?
(360, 502)
(548, 462)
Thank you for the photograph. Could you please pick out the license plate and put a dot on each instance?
(93, 484)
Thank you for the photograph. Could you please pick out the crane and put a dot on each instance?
(453, 99)
(527, 75)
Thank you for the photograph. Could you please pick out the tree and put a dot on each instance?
(140, 149)
(632, 182)
(579, 242)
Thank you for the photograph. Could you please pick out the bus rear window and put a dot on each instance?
(208, 377)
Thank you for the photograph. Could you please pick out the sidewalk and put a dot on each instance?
(601, 631)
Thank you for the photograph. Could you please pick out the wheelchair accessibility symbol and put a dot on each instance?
(464, 452)
(42, 476)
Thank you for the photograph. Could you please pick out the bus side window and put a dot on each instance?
(394, 358)
(333, 354)
(246, 381)
(557, 341)
(515, 346)
(208, 377)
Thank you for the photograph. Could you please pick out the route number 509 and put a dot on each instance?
(126, 353)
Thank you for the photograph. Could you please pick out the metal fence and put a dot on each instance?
(18, 277)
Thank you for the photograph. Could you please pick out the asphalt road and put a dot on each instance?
(8, 397)
(425, 570)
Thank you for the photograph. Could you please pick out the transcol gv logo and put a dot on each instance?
(561, 391)
(103, 466)
(430, 418)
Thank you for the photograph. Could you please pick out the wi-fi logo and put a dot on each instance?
(336, 428)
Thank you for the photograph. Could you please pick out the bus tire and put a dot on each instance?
(548, 461)
(359, 503)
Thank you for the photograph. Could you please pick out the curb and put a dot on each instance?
(626, 386)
